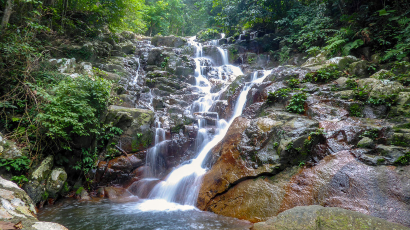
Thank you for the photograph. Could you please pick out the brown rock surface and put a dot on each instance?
(337, 181)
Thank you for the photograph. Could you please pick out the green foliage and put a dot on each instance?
(18, 164)
(355, 110)
(351, 83)
(208, 34)
(403, 160)
(387, 100)
(361, 93)
(278, 95)
(45, 195)
(297, 103)
(372, 134)
(307, 24)
(284, 54)
(74, 107)
(293, 83)
(324, 75)
(20, 180)
(87, 162)
(165, 62)
(79, 190)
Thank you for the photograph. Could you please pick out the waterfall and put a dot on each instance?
(224, 55)
(135, 81)
(182, 185)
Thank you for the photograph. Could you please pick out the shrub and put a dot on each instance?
(324, 75)
(297, 103)
(293, 83)
(355, 110)
(74, 107)
(208, 34)
(278, 94)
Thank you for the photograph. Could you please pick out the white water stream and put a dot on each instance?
(181, 187)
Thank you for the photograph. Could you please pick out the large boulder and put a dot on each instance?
(136, 124)
(255, 147)
(338, 180)
(8, 149)
(17, 207)
(317, 217)
(169, 41)
(55, 182)
(36, 186)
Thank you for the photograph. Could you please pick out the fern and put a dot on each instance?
(352, 45)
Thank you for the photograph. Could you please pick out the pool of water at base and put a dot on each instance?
(100, 214)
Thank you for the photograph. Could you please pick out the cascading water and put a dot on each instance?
(182, 185)
(224, 55)
(135, 81)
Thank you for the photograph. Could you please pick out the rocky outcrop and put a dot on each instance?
(17, 210)
(318, 217)
(168, 41)
(136, 124)
(337, 181)
(46, 182)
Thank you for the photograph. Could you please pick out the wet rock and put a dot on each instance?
(156, 56)
(359, 69)
(83, 194)
(36, 187)
(254, 147)
(142, 188)
(366, 143)
(55, 182)
(8, 149)
(318, 217)
(117, 170)
(343, 62)
(115, 192)
(346, 94)
(338, 180)
(402, 108)
(126, 100)
(16, 206)
(100, 192)
(168, 41)
(125, 163)
(137, 135)
(380, 88)
(127, 47)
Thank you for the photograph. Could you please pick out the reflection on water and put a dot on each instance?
(104, 214)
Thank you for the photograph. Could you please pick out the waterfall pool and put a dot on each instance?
(103, 214)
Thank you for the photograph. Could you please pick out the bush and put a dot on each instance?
(297, 103)
(74, 107)
(278, 94)
(208, 34)
(324, 75)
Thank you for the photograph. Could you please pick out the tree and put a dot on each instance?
(7, 13)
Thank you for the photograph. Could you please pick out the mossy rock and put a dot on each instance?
(317, 217)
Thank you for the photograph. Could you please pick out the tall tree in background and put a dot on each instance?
(6, 14)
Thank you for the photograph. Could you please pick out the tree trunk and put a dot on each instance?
(7, 13)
